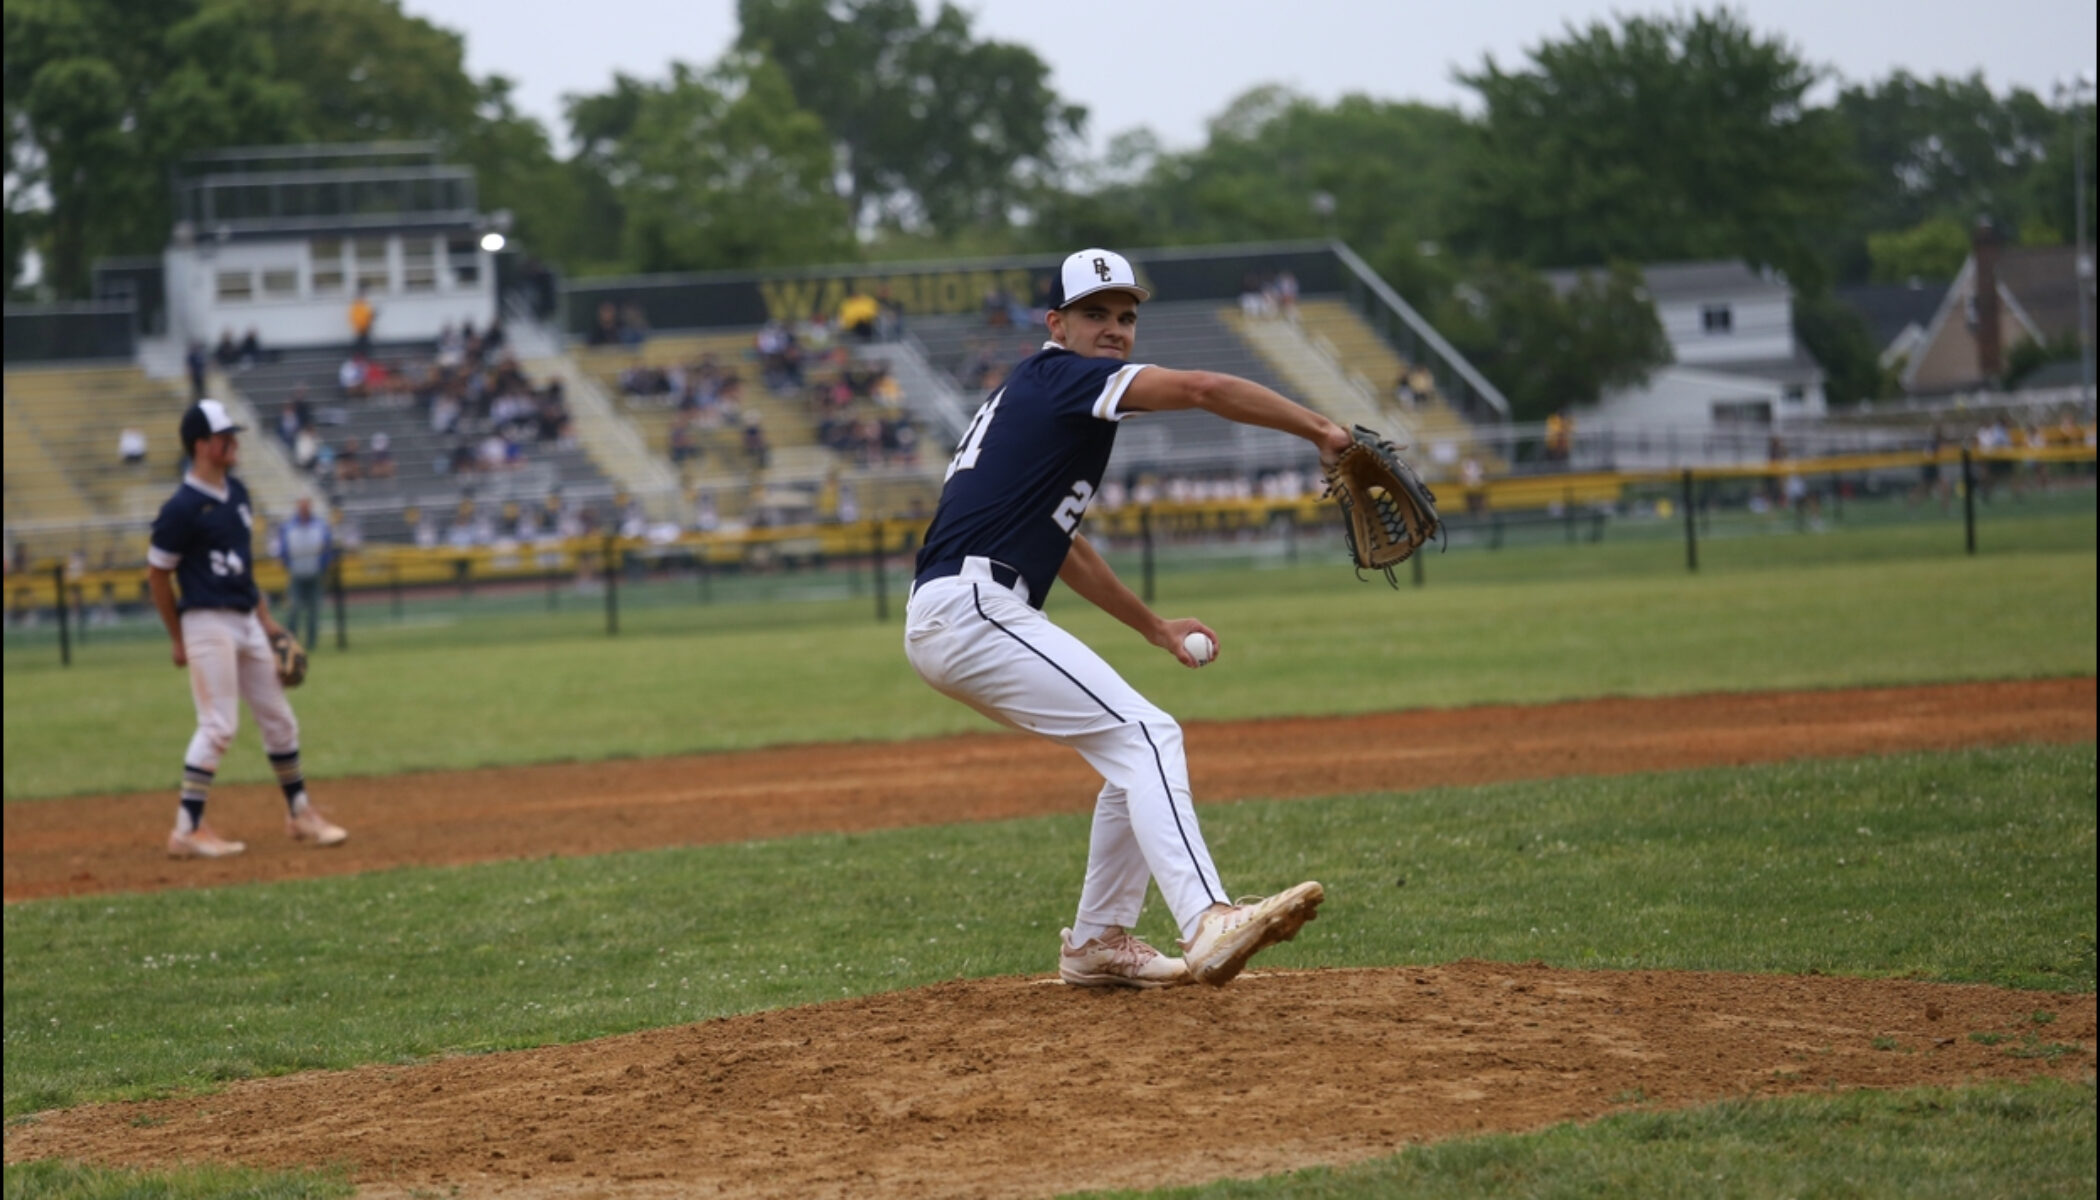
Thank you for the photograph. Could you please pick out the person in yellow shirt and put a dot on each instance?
(362, 316)
(858, 315)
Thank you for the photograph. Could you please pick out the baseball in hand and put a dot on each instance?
(1200, 647)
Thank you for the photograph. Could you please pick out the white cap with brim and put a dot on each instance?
(205, 418)
(1097, 270)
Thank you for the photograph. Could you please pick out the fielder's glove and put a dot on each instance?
(1387, 511)
(291, 658)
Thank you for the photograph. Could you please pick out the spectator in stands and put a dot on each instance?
(889, 323)
(1286, 289)
(379, 456)
(306, 448)
(349, 461)
(131, 446)
(859, 314)
(198, 363)
(998, 308)
(756, 448)
(305, 545)
(605, 330)
(251, 351)
(684, 440)
(228, 352)
(1473, 479)
(1404, 389)
(1560, 436)
(350, 377)
(451, 348)
(634, 327)
(362, 318)
(494, 337)
(288, 424)
(445, 412)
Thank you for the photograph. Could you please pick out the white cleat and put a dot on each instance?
(1117, 960)
(311, 826)
(1226, 939)
(202, 844)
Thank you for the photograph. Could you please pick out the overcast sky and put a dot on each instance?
(1173, 64)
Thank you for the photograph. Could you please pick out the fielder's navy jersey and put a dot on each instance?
(204, 537)
(1029, 465)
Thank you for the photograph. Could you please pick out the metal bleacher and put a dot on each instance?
(800, 476)
(67, 490)
(421, 481)
(1189, 335)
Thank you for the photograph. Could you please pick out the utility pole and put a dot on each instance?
(2077, 90)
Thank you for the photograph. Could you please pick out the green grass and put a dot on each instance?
(1552, 622)
(2031, 1139)
(1974, 866)
(52, 1180)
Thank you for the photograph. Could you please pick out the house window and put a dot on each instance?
(236, 286)
(280, 283)
(418, 264)
(464, 253)
(1717, 318)
(1795, 393)
(328, 265)
(372, 270)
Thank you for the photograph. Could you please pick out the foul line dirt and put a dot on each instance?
(96, 844)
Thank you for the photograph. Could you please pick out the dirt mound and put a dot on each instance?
(113, 843)
(986, 1088)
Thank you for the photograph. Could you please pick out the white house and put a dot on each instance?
(281, 239)
(1736, 367)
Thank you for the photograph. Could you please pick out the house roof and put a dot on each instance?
(1891, 308)
(1678, 282)
(2043, 281)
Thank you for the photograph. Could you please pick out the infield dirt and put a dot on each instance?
(1020, 1087)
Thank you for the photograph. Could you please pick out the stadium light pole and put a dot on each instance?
(2074, 94)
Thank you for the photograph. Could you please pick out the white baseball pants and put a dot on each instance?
(982, 644)
(230, 660)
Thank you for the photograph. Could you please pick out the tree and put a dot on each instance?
(103, 98)
(1546, 350)
(932, 127)
(1666, 138)
(1837, 337)
(1931, 250)
(722, 170)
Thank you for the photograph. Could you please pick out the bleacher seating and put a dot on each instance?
(422, 481)
(1189, 335)
(67, 490)
(801, 477)
(1359, 349)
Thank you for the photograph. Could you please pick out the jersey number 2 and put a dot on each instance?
(973, 437)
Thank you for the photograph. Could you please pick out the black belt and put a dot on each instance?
(1002, 574)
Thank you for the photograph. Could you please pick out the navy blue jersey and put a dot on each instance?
(1029, 465)
(204, 537)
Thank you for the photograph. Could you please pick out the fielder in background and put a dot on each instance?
(221, 626)
(305, 545)
(1005, 531)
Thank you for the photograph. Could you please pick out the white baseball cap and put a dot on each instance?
(203, 419)
(1096, 270)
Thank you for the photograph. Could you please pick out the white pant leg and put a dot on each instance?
(263, 692)
(981, 644)
(211, 640)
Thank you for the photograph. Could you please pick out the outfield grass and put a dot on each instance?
(1872, 606)
(1975, 866)
(1920, 1144)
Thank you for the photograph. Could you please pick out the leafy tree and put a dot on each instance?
(1933, 249)
(722, 170)
(1666, 138)
(1935, 150)
(932, 127)
(1837, 337)
(1547, 350)
(104, 97)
